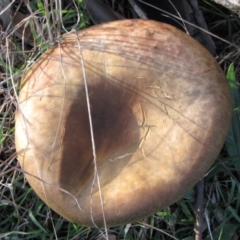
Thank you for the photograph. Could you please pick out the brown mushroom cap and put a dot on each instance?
(160, 108)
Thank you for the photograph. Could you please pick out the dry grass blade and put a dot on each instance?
(94, 154)
(138, 10)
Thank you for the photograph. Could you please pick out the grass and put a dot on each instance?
(24, 216)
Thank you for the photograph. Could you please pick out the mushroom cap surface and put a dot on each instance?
(160, 109)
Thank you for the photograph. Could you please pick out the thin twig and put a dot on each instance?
(94, 152)
(178, 13)
(189, 23)
(143, 224)
(199, 216)
(50, 185)
(33, 15)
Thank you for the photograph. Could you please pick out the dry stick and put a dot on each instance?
(55, 17)
(38, 26)
(77, 22)
(144, 230)
(7, 171)
(10, 63)
(143, 224)
(9, 159)
(191, 24)
(178, 13)
(94, 152)
(51, 185)
(199, 216)
(12, 193)
(137, 9)
(48, 20)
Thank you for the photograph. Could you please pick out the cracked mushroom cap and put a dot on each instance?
(160, 109)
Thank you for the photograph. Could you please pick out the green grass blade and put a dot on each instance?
(36, 222)
(233, 139)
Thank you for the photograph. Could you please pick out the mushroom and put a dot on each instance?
(160, 108)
